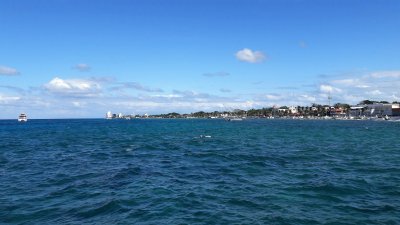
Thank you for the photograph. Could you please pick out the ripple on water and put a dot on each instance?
(199, 172)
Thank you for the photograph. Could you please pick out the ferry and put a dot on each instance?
(22, 118)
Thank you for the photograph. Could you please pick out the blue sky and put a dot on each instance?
(70, 58)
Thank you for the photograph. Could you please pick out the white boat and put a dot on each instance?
(22, 118)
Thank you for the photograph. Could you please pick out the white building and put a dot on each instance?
(109, 115)
(377, 109)
(293, 109)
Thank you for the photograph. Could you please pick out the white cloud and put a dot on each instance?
(4, 99)
(78, 104)
(329, 89)
(193, 96)
(8, 71)
(352, 82)
(375, 92)
(347, 82)
(386, 74)
(167, 96)
(273, 97)
(83, 67)
(307, 98)
(73, 87)
(362, 86)
(248, 55)
(376, 85)
(285, 98)
(88, 98)
(351, 98)
(186, 106)
(395, 97)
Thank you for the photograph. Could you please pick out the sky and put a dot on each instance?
(82, 58)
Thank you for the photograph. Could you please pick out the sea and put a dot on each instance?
(199, 171)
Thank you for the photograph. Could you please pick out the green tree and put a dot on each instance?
(366, 102)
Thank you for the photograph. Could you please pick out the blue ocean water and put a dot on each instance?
(199, 171)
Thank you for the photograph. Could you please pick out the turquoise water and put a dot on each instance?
(199, 172)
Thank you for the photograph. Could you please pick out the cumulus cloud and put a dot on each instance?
(250, 56)
(83, 67)
(88, 98)
(8, 71)
(185, 101)
(216, 74)
(77, 98)
(352, 88)
(73, 87)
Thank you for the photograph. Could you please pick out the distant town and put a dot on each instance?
(366, 109)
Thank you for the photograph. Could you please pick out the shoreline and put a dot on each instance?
(393, 119)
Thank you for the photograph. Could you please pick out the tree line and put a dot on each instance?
(313, 110)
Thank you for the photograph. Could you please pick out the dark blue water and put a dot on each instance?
(199, 172)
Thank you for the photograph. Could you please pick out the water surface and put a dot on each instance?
(199, 171)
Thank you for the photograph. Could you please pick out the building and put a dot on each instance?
(109, 115)
(379, 109)
(396, 109)
(293, 110)
(376, 110)
(338, 112)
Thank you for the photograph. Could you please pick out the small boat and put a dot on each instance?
(22, 118)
